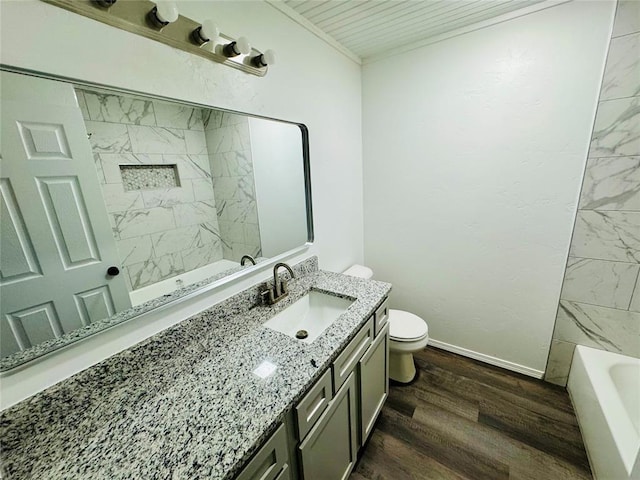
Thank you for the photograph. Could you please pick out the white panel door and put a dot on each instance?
(56, 241)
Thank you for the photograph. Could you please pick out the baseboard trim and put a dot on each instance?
(498, 362)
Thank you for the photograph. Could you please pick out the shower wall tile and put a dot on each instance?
(559, 363)
(599, 327)
(135, 250)
(108, 137)
(176, 240)
(202, 189)
(155, 269)
(157, 140)
(617, 128)
(154, 239)
(111, 163)
(97, 161)
(105, 107)
(167, 197)
(210, 233)
(191, 166)
(635, 299)
(622, 72)
(600, 299)
(599, 282)
(178, 116)
(611, 183)
(607, 235)
(200, 257)
(116, 199)
(82, 103)
(196, 143)
(136, 223)
(194, 213)
(228, 139)
(627, 18)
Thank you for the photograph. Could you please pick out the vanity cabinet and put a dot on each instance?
(331, 448)
(334, 419)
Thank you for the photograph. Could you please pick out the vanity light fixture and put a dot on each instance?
(264, 59)
(164, 13)
(160, 20)
(205, 33)
(241, 46)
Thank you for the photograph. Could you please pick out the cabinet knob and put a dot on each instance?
(113, 271)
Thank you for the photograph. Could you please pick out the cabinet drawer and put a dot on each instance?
(271, 459)
(313, 404)
(382, 316)
(350, 356)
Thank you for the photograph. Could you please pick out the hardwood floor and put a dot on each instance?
(463, 419)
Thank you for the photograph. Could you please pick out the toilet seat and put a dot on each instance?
(406, 327)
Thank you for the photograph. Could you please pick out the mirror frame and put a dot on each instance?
(12, 362)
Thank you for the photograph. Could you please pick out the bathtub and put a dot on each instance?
(167, 286)
(605, 392)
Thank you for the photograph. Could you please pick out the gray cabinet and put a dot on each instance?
(330, 449)
(373, 382)
(272, 460)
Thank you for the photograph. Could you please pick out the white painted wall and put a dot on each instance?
(276, 149)
(296, 89)
(474, 151)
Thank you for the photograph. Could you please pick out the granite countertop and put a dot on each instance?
(183, 403)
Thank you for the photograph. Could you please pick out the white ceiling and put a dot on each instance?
(370, 28)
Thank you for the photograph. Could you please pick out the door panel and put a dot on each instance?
(69, 221)
(17, 257)
(55, 231)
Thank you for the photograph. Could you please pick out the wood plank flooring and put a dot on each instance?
(463, 419)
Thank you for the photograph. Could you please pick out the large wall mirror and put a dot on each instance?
(115, 203)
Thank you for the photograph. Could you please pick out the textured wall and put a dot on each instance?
(474, 151)
(160, 232)
(600, 301)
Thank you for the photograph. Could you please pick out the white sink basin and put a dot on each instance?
(313, 313)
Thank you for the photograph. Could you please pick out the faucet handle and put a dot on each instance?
(267, 296)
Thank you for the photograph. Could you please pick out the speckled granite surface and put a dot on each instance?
(43, 348)
(183, 404)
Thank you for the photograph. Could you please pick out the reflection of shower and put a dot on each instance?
(158, 164)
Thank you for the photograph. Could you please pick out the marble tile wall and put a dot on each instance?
(228, 143)
(160, 232)
(600, 300)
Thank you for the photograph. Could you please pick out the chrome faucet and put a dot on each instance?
(246, 258)
(279, 289)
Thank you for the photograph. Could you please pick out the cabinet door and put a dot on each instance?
(374, 382)
(329, 451)
(271, 461)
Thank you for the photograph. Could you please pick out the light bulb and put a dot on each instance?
(264, 59)
(166, 11)
(243, 46)
(206, 32)
(237, 47)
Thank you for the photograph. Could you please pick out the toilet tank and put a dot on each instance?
(359, 271)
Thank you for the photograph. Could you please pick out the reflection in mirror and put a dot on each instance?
(114, 204)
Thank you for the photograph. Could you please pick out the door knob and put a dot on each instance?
(113, 271)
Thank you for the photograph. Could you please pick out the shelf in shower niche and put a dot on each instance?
(147, 177)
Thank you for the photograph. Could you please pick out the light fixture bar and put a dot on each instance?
(134, 16)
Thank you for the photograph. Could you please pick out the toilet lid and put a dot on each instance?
(405, 326)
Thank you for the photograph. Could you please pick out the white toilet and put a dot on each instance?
(408, 333)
